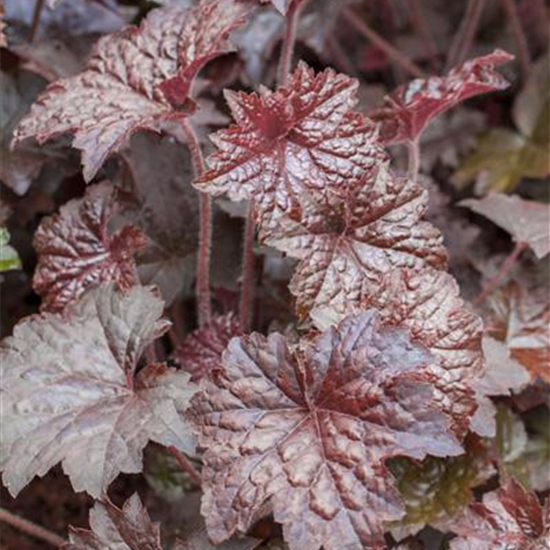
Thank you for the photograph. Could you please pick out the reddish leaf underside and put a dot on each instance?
(70, 392)
(527, 221)
(292, 144)
(136, 79)
(202, 350)
(410, 107)
(129, 528)
(521, 318)
(345, 250)
(510, 518)
(75, 250)
(309, 429)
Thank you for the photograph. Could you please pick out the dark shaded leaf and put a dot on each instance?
(165, 206)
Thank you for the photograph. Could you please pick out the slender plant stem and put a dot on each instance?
(519, 36)
(37, 13)
(419, 23)
(246, 302)
(287, 51)
(186, 466)
(464, 37)
(247, 282)
(30, 528)
(204, 307)
(391, 51)
(414, 159)
(497, 278)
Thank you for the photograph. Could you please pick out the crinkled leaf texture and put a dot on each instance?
(520, 317)
(202, 350)
(309, 429)
(345, 250)
(287, 145)
(510, 518)
(70, 391)
(116, 529)
(75, 250)
(410, 108)
(428, 304)
(136, 79)
(527, 221)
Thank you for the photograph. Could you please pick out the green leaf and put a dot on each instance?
(510, 443)
(437, 489)
(9, 258)
(504, 157)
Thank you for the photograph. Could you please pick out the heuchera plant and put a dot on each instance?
(346, 428)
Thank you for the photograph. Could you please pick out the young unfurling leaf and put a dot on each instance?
(411, 107)
(136, 79)
(527, 221)
(346, 249)
(510, 518)
(202, 350)
(309, 429)
(301, 142)
(75, 250)
(129, 528)
(71, 393)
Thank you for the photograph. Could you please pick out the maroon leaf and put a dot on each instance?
(115, 529)
(202, 350)
(527, 221)
(135, 79)
(347, 249)
(309, 429)
(410, 108)
(292, 144)
(428, 304)
(70, 391)
(520, 318)
(510, 518)
(75, 250)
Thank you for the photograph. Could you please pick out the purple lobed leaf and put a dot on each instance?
(71, 393)
(308, 430)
